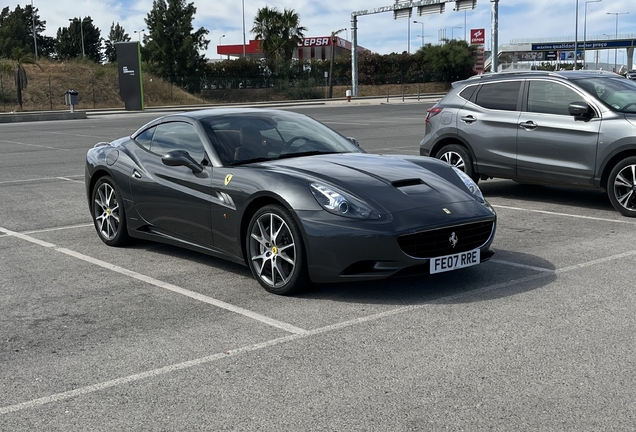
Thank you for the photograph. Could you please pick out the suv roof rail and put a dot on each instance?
(559, 73)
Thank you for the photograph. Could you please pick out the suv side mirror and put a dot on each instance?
(580, 111)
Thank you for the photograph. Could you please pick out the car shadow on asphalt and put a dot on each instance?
(591, 199)
(490, 280)
(487, 281)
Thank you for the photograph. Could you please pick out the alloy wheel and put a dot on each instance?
(272, 250)
(625, 187)
(106, 211)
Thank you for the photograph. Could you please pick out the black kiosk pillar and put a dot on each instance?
(131, 88)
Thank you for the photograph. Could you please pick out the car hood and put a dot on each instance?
(631, 118)
(391, 183)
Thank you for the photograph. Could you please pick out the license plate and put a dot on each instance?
(454, 262)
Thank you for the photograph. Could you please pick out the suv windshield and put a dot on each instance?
(617, 93)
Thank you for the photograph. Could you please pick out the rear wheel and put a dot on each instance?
(457, 156)
(621, 187)
(275, 251)
(108, 212)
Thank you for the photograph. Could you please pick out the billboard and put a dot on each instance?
(477, 36)
(129, 65)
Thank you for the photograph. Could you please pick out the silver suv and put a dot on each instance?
(631, 74)
(568, 128)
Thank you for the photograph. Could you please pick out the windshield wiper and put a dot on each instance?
(247, 161)
(307, 153)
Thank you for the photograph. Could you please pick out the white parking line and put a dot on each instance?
(168, 286)
(629, 222)
(514, 264)
(34, 145)
(58, 228)
(68, 178)
(273, 342)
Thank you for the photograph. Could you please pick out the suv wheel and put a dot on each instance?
(457, 156)
(621, 187)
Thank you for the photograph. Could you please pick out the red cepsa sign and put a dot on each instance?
(477, 36)
(315, 41)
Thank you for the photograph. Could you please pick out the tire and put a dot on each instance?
(275, 251)
(107, 209)
(621, 187)
(457, 156)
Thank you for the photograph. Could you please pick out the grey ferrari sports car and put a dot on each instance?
(287, 196)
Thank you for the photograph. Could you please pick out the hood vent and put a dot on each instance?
(407, 182)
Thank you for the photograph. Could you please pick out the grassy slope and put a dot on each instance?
(98, 87)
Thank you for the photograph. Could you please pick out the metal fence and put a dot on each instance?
(101, 91)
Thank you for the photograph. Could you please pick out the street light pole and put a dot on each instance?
(81, 32)
(576, 35)
(616, 49)
(243, 1)
(35, 39)
(422, 35)
(585, 29)
(139, 33)
(333, 56)
(220, 44)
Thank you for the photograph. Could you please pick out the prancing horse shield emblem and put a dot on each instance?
(453, 239)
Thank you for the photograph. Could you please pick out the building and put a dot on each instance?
(310, 48)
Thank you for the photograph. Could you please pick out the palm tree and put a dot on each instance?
(266, 29)
(19, 58)
(292, 33)
(279, 33)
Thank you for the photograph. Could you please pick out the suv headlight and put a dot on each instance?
(470, 184)
(340, 203)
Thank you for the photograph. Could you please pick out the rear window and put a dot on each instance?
(499, 96)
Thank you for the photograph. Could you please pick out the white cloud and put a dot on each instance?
(536, 19)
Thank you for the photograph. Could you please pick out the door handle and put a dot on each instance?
(136, 174)
(529, 125)
(468, 119)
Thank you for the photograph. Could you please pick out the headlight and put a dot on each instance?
(339, 203)
(470, 184)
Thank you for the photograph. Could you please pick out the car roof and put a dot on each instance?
(568, 74)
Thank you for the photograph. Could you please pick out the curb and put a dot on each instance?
(367, 100)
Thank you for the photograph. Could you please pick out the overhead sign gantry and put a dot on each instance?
(401, 9)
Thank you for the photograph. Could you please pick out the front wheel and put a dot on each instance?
(275, 251)
(108, 212)
(621, 187)
(457, 156)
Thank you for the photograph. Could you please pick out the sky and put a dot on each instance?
(518, 19)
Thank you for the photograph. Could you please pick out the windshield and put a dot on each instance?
(617, 93)
(243, 137)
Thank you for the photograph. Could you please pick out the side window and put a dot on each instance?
(551, 98)
(178, 136)
(144, 138)
(467, 93)
(499, 96)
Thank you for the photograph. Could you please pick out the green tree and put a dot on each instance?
(116, 34)
(80, 39)
(279, 33)
(16, 31)
(172, 45)
(452, 61)
(16, 63)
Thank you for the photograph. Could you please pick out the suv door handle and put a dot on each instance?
(529, 125)
(468, 119)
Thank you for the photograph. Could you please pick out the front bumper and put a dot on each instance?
(341, 249)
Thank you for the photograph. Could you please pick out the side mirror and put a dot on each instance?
(181, 158)
(580, 111)
(354, 141)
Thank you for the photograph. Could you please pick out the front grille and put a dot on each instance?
(434, 243)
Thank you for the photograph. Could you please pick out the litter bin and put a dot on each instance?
(71, 98)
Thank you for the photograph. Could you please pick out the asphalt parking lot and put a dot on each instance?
(152, 337)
